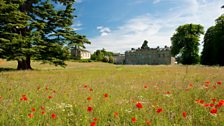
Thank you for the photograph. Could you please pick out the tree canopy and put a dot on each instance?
(145, 45)
(37, 30)
(185, 43)
(212, 53)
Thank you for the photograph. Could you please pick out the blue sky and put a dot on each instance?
(119, 25)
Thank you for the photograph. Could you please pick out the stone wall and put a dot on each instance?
(151, 56)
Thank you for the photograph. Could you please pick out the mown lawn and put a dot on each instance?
(84, 94)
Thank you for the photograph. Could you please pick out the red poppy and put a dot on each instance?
(133, 120)
(214, 87)
(95, 119)
(221, 103)
(89, 109)
(139, 105)
(148, 122)
(115, 114)
(145, 86)
(159, 110)
(53, 116)
(213, 111)
(85, 86)
(184, 114)
(90, 89)
(50, 97)
(33, 109)
(214, 100)
(200, 101)
(219, 82)
(31, 115)
(93, 124)
(207, 82)
(42, 112)
(23, 98)
(89, 98)
(105, 95)
(190, 85)
(168, 92)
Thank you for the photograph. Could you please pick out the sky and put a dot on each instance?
(119, 25)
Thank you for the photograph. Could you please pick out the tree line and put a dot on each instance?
(185, 42)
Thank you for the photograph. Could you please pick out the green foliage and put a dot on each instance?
(145, 45)
(185, 43)
(102, 55)
(213, 50)
(36, 29)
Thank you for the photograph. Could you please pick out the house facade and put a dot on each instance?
(80, 54)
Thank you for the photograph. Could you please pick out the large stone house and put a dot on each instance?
(151, 56)
(146, 55)
(80, 54)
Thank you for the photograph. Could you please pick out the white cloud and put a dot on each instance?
(104, 31)
(79, 1)
(77, 26)
(156, 29)
(156, 1)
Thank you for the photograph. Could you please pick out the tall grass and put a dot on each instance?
(63, 92)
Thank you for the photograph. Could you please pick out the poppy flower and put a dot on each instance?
(105, 95)
(213, 111)
(167, 93)
(139, 105)
(23, 98)
(95, 119)
(219, 82)
(200, 101)
(159, 110)
(115, 114)
(93, 124)
(33, 109)
(53, 116)
(31, 115)
(50, 97)
(148, 122)
(85, 86)
(207, 82)
(213, 100)
(190, 85)
(184, 114)
(145, 86)
(90, 89)
(89, 98)
(221, 103)
(89, 109)
(133, 120)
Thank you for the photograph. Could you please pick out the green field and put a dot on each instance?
(55, 96)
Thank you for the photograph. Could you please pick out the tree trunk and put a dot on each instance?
(24, 64)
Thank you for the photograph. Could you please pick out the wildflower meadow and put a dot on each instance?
(99, 94)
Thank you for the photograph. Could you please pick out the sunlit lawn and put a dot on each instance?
(111, 95)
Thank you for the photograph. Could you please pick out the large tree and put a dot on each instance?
(212, 53)
(208, 55)
(185, 43)
(37, 30)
